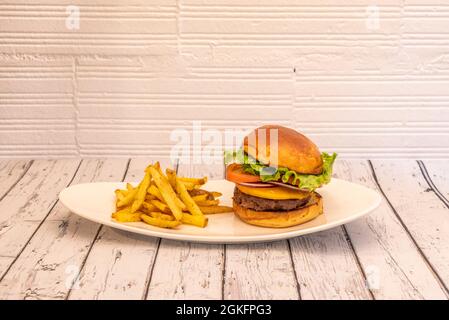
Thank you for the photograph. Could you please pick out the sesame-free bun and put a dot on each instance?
(281, 219)
(295, 151)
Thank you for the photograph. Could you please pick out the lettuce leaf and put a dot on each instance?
(303, 181)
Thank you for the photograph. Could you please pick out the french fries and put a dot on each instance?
(159, 215)
(171, 177)
(160, 222)
(187, 199)
(141, 192)
(167, 193)
(161, 206)
(119, 195)
(166, 200)
(149, 197)
(215, 194)
(128, 199)
(126, 215)
(201, 197)
(208, 203)
(199, 221)
(215, 209)
(196, 181)
(149, 207)
(153, 190)
(190, 185)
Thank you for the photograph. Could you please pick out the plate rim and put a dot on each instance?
(230, 239)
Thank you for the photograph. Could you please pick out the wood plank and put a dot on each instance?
(119, 263)
(260, 271)
(5, 262)
(30, 200)
(11, 171)
(421, 211)
(394, 267)
(252, 271)
(117, 267)
(327, 268)
(53, 257)
(438, 172)
(186, 270)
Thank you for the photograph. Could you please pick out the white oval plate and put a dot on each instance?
(343, 202)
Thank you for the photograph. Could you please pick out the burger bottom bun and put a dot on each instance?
(281, 219)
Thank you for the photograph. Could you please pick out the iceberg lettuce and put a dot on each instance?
(267, 173)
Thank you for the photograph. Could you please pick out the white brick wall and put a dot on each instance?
(136, 69)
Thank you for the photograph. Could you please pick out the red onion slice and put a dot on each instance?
(285, 185)
(256, 184)
(270, 185)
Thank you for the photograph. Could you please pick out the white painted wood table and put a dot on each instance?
(400, 251)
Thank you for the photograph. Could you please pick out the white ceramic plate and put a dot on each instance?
(343, 202)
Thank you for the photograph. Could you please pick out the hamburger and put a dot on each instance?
(276, 173)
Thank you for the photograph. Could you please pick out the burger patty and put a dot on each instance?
(261, 204)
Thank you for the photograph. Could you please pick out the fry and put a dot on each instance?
(128, 198)
(153, 190)
(126, 215)
(201, 197)
(190, 186)
(199, 181)
(215, 194)
(155, 165)
(180, 203)
(208, 203)
(158, 168)
(149, 197)
(119, 195)
(199, 221)
(215, 209)
(161, 206)
(171, 174)
(187, 199)
(167, 192)
(160, 215)
(149, 207)
(164, 200)
(159, 222)
(171, 177)
(141, 191)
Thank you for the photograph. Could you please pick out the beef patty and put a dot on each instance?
(261, 204)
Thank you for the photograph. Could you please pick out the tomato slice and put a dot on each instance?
(235, 173)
